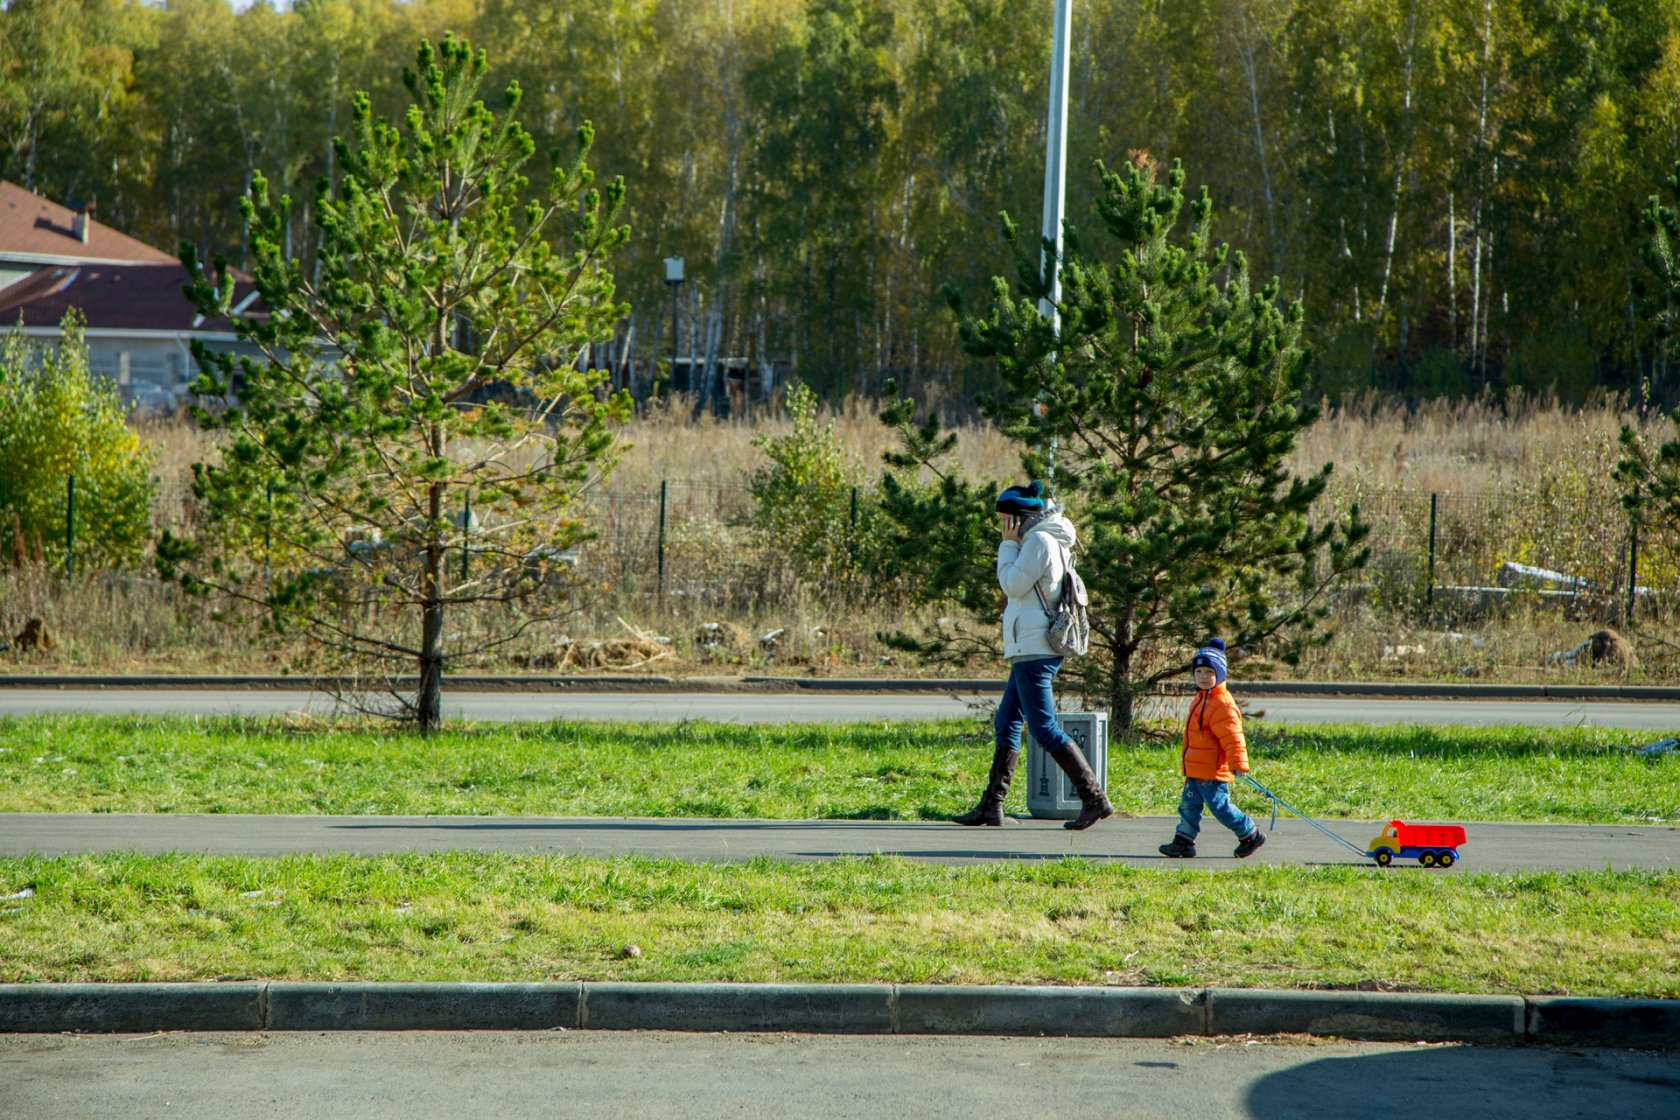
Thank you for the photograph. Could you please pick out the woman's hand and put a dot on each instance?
(1010, 526)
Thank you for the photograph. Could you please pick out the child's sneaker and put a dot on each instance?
(1180, 848)
(1249, 844)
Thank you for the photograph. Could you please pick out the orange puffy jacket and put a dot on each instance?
(1213, 736)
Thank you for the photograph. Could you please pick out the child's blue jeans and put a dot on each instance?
(1217, 797)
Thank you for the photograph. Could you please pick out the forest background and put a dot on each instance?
(1451, 186)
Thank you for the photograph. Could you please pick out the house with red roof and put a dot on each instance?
(139, 325)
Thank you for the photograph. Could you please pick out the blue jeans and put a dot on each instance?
(1027, 697)
(1217, 797)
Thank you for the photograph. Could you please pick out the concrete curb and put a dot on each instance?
(1599, 1021)
(104, 1008)
(838, 1009)
(1086, 1012)
(608, 683)
(418, 1007)
(805, 1008)
(1414, 1016)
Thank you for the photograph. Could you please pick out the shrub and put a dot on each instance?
(59, 418)
(803, 496)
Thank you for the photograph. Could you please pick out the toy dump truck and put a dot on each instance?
(1432, 845)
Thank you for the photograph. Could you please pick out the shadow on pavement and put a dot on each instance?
(1485, 1083)
(608, 824)
(653, 828)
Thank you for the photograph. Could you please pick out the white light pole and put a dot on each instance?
(1055, 177)
(1055, 154)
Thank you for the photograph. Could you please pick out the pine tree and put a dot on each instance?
(414, 435)
(1650, 477)
(939, 538)
(1163, 411)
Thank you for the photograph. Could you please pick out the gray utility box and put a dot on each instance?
(1049, 792)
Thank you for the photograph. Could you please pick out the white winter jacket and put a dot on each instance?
(1041, 558)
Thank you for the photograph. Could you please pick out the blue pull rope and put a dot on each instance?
(1276, 801)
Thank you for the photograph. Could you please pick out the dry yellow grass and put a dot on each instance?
(179, 444)
(1473, 445)
(1528, 481)
(665, 443)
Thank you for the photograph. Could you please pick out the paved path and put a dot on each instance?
(1492, 847)
(744, 707)
(704, 1076)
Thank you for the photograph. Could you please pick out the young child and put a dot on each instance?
(1213, 748)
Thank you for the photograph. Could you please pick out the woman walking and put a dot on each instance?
(1033, 555)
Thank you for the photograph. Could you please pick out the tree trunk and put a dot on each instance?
(1487, 304)
(1122, 702)
(908, 254)
(429, 703)
(1347, 254)
(766, 365)
(1476, 301)
(713, 395)
(29, 160)
(624, 357)
(1644, 386)
(692, 327)
(1251, 71)
(1399, 165)
(332, 168)
(1452, 269)
(1478, 337)
(716, 393)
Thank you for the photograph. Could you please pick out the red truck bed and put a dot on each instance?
(1428, 835)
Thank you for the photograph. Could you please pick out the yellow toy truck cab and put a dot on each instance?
(1386, 846)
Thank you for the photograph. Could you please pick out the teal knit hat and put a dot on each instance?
(1023, 500)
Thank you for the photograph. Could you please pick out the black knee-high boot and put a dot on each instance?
(1095, 803)
(990, 809)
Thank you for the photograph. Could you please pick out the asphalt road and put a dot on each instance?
(1491, 847)
(815, 1077)
(741, 707)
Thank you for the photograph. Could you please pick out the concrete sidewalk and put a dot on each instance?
(1500, 847)
(838, 1009)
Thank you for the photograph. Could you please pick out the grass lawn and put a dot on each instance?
(125, 917)
(497, 917)
(897, 771)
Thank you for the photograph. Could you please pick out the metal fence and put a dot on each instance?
(56, 540)
(1449, 549)
(1441, 549)
(694, 540)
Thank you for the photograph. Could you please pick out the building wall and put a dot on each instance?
(158, 362)
(149, 372)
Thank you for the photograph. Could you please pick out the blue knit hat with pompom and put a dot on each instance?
(1211, 656)
(1023, 500)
